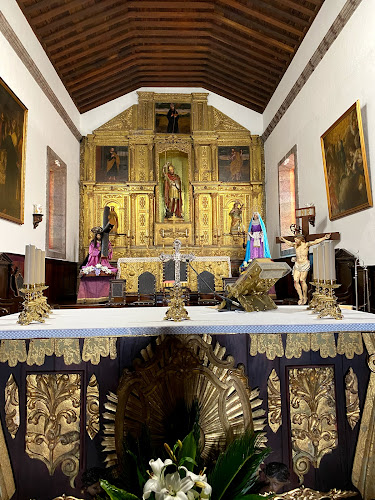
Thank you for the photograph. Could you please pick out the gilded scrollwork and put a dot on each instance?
(53, 421)
(274, 401)
(352, 398)
(303, 493)
(312, 416)
(92, 407)
(12, 406)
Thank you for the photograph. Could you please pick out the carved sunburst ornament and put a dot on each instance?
(188, 368)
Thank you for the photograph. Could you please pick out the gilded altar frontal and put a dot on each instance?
(171, 167)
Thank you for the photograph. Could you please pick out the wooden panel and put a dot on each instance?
(93, 44)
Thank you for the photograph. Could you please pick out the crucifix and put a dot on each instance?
(177, 311)
(301, 242)
(178, 257)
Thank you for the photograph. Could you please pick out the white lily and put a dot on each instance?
(155, 483)
(200, 480)
(175, 488)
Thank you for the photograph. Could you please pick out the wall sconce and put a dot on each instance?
(37, 215)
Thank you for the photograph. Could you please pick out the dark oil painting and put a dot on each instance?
(234, 163)
(345, 166)
(172, 118)
(13, 116)
(112, 163)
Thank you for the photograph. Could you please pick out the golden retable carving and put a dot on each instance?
(313, 416)
(274, 401)
(12, 406)
(92, 407)
(196, 161)
(147, 394)
(53, 421)
(352, 398)
(303, 493)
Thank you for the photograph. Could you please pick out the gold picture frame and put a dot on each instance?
(345, 165)
(13, 122)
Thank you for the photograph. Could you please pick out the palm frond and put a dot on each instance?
(115, 493)
(236, 469)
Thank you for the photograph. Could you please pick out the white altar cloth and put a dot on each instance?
(128, 321)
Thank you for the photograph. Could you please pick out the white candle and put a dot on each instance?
(128, 233)
(320, 262)
(43, 276)
(32, 265)
(38, 268)
(329, 255)
(162, 233)
(26, 265)
(315, 264)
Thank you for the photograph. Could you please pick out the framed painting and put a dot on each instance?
(345, 166)
(112, 164)
(234, 163)
(13, 119)
(171, 118)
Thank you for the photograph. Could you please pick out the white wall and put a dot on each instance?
(249, 119)
(45, 128)
(346, 73)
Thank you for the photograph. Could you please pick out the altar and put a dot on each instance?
(297, 371)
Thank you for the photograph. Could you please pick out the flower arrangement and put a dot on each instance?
(231, 478)
(97, 269)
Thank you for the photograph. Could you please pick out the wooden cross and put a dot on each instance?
(307, 214)
(178, 257)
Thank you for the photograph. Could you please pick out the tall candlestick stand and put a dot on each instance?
(176, 311)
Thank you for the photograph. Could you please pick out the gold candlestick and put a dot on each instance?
(328, 305)
(35, 307)
(177, 311)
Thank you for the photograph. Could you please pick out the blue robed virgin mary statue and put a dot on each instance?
(257, 242)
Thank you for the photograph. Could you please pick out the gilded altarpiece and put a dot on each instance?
(202, 220)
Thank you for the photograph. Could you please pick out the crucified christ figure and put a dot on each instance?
(302, 263)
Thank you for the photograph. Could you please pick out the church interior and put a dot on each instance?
(188, 226)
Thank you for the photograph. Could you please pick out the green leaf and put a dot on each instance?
(188, 451)
(236, 470)
(115, 493)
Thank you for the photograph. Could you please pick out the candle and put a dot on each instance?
(162, 233)
(43, 276)
(186, 233)
(128, 233)
(329, 258)
(315, 264)
(320, 256)
(32, 265)
(38, 268)
(26, 268)
(38, 209)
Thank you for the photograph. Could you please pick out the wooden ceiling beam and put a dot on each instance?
(223, 35)
(233, 92)
(289, 39)
(112, 68)
(211, 87)
(145, 77)
(242, 80)
(102, 30)
(112, 16)
(277, 12)
(87, 17)
(35, 7)
(297, 6)
(251, 12)
(133, 29)
(255, 34)
(40, 18)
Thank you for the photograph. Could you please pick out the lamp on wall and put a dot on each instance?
(37, 215)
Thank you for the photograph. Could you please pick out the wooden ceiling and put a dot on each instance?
(103, 49)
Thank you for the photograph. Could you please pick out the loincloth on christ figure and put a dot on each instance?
(301, 268)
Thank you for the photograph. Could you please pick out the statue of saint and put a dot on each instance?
(172, 192)
(236, 217)
(302, 263)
